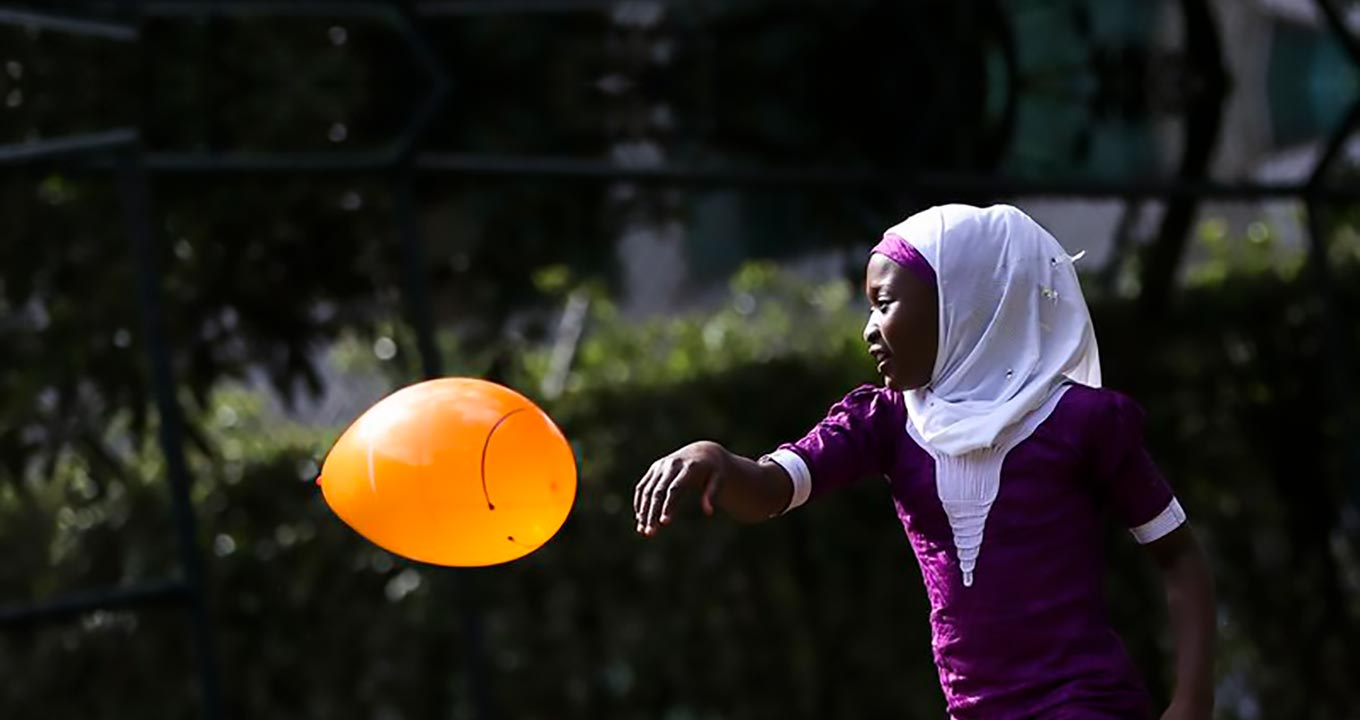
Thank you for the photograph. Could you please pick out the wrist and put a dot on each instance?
(712, 453)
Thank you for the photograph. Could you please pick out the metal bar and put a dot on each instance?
(71, 25)
(173, 591)
(1334, 145)
(469, 604)
(415, 288)
(572, 168)
(403, 147)
(134, 191)
(1335, 344)
(165, 162)
(420, 47)
(464, 8)
(417, 296)
(415, 292)
(71, 145)
(271, 8)
(549, 168)
(1340, 28)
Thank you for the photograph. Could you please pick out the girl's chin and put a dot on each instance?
(892, 383)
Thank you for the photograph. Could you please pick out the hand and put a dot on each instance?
(696, 467)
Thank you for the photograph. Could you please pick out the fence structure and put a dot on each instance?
(133, 166)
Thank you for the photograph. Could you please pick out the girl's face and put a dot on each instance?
(903, 328)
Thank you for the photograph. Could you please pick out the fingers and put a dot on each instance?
(673, 489)
(655, 496)
(639, 492)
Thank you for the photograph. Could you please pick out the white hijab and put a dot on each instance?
(1014, 328)
(1013, 323)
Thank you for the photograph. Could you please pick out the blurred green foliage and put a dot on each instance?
(817, 614)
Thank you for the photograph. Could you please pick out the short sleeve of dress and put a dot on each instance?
(857, 438)
(1136, 489)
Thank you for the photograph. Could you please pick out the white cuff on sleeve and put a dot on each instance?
(1156, 528)
(798, 472)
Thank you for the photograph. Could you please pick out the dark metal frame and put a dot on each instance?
(121, 150)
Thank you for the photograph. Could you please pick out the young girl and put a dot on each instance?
(1001, 452)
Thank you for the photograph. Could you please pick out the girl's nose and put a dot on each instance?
(871, 332)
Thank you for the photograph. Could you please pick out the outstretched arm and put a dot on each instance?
(745, 489)
(1190, 605)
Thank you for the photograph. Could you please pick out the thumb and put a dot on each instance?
(710, 498)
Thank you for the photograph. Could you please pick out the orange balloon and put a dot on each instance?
(454, 471)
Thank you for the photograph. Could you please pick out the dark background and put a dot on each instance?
(229, 227)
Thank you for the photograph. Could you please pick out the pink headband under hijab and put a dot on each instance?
(904, 254)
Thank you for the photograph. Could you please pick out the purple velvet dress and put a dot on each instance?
(1031, 638)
